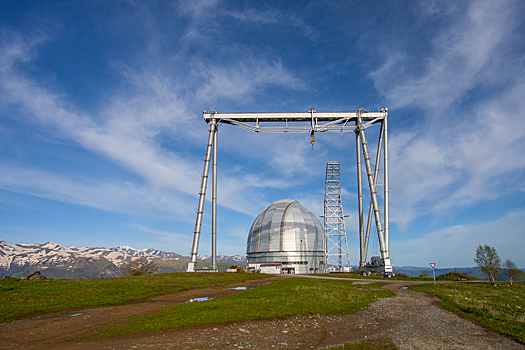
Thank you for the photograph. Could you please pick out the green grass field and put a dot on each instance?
(290, 296)
(21, 298)
(501, 308)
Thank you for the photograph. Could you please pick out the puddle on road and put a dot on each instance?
(194, 300)
(59, 316)
(404, 287)
(242, 288)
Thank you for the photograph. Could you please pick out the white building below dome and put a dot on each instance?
(286, 238)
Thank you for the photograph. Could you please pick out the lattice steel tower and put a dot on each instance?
(335, 243)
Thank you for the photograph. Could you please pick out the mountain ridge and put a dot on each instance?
(23, 257)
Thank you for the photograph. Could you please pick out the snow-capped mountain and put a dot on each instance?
(235, 259)
(29, 255)
(84, 262)
(150, 253)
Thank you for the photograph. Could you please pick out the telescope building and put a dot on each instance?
(286, 237)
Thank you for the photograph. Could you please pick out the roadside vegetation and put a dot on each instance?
(500, 308)
(21, 298)
(291, 296)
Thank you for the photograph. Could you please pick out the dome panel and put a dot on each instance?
(286, 226)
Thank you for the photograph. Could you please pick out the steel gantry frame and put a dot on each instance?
(334, 221)
(308, 122)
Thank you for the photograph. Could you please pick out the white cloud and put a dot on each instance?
(238, 80)
(118, 196)
(272, 16)
(162, 233)
(461, 58)
(492, 153)
(126, 133)
(459, 153)
(419, 171)
(197, 8)
(128, 130)
(468, 163)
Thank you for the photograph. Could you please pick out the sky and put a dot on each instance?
(102, 138)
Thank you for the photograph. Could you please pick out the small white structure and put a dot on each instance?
(272, 268)
(286, 238)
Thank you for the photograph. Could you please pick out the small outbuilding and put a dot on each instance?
(286, 237)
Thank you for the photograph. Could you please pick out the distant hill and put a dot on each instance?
(413, 271)
(57, 261)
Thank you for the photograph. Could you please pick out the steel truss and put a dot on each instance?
(334, 222)
(305, 122)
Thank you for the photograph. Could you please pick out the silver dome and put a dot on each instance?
(285, 226)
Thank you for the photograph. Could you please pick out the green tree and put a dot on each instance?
(512, 272)
(140, 266)
(488, 260)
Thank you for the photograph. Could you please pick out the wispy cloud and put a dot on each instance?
(242, 78)
(272, 16)
(462, 57)
(160, 233)
(459, 152)
(117, 196)
(127, 131)
(197, 8)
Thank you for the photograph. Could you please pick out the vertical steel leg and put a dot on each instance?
(371, 208)
(347, 253)
(325, 245)
(214, 205)
(373, 191)
(362, 251)
(325, 219)
(387, 231)
(200, 209)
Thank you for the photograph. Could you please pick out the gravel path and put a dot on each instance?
(411, 320)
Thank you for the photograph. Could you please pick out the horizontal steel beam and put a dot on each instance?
(316, 121)
(293, 116)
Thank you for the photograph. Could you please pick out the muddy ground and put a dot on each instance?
(411, 320)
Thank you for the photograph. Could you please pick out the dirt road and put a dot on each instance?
(411, 320)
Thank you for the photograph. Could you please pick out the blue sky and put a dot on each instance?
(102, 136)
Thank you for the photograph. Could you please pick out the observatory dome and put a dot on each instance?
(286, 237)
